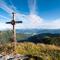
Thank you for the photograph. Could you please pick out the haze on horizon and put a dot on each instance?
(39, 14)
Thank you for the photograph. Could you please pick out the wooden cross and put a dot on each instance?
(13, 22)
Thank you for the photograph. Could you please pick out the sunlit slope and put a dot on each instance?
(49, 52)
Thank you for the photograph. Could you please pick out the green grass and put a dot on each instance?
(22, 36)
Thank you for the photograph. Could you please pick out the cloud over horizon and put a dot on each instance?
(33, 21)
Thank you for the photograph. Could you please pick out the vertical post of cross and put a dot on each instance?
(14, 32)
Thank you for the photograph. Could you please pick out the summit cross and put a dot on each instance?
(13, 22)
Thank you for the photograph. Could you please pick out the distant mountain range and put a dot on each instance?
(38, 31)
(46, 38)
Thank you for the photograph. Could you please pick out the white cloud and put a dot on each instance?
(4, 26)
(32, 21)
(29, 21)
(5, 7)
(32, 6)
(54, 24)
(3, 17)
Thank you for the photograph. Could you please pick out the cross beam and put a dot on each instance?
(13, 22)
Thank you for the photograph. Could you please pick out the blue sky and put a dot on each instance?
(34, 13)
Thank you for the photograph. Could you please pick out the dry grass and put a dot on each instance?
(41, 50)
